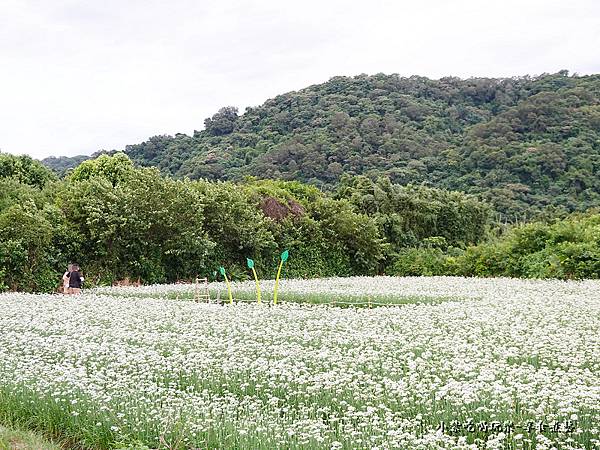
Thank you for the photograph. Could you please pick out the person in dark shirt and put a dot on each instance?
(75, 280)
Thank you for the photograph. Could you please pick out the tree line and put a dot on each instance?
(120, 221)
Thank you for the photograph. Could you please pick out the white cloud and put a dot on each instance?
(81, 76)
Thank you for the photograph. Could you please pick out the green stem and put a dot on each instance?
(257, 286)
(277, 283)
(228, 289)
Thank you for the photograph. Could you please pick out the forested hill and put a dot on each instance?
(522, 143)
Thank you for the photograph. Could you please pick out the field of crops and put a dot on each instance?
(452, 363)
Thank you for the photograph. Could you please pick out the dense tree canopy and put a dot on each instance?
(63, 164)
(525, 144)
(407, 215)
(25, 170)
(118, 221)
(114, 169)
(223, 122)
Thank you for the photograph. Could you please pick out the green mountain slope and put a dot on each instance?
(524, 143)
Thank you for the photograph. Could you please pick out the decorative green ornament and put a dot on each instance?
(285, 255)
(222, 270)
(250, 263)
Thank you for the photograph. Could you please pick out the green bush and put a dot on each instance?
(27, 254)
(565, 249)
(421, 262)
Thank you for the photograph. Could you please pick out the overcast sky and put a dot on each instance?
(80, 76)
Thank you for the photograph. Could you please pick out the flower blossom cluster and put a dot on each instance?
(109, 369)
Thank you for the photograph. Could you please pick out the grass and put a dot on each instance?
(340, 300)
(358, 301)
(18, 439)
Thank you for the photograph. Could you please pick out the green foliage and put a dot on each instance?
(421, 262)
(3, 286)
(25, 170)
(61, 165)
(408, 216)
(18, 438)
(235, 224)
(566, 249)
(146, 226)
(223, 122)
(283, 191)
(115, 169)
(12, 192)
(522, 143)
(26, 250)
(118, 221)
(325, 236)
(357, 233)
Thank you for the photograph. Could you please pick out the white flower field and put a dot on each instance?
(492, 363)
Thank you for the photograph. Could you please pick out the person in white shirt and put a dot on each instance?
(65, 279)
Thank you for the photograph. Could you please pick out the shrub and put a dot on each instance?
(422, 262)
(566, 249)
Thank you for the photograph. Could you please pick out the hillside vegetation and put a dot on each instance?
(524, 144)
